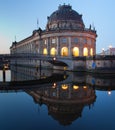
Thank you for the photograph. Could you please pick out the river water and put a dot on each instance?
(56, 100)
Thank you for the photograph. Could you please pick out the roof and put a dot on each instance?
(65, 12)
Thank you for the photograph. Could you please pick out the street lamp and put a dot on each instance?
(110, 47)
(103, 51)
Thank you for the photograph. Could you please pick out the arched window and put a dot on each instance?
(75, 51)
(64, 51)
(45, 52)
(91, 52)
(53, 51)
(85, 51)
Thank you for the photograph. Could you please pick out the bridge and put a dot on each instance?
(55, 60)
(80, 63)
(98, 82)
(7, 86)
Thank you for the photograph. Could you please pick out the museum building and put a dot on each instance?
(65, 35)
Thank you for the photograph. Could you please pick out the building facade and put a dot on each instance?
(110, 51)
(65, 35)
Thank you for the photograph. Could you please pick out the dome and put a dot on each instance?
(65, 18)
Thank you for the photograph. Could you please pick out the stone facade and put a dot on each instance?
(65, 36)
(101, 64)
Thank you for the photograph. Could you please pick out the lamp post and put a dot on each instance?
(103, 51)
(110, 47)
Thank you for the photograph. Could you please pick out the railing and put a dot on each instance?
(4, 57)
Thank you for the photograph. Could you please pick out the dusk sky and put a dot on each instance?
(18, 19)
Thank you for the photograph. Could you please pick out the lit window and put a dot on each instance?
(53, 51)
(85, 51)
(64, 51)
(91, 52)
(45, 52)
(75, 51)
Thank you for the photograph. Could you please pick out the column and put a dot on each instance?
(69, 47)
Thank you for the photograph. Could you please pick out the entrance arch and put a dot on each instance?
(75, 51)
(64, 51)
(85, 51)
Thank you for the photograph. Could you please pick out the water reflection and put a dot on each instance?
(65, 102)
(32, 76)
(65, 94)
(65, 98)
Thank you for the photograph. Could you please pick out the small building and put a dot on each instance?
(110, 51)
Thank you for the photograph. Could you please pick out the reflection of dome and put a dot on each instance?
(64, 105)
(65, 18)
(65, 114)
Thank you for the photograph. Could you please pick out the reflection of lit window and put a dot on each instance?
(75, 51)
(45, 52)
(54, 85)
(75, 87)
(53, 51)
(84, 87)
(64, 86)
(65, 68)
(64, 76)
(85, 51)
(64, 51)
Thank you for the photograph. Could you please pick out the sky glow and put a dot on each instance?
(18, 18)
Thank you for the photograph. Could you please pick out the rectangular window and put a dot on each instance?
(75, 40)
(53, 40)
(85, 40)
(89, 41)
(64, 40)
(45, 42)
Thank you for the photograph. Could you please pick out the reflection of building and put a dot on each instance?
(20, 73)
(65, 102)
(65, 36)
(101, 82)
